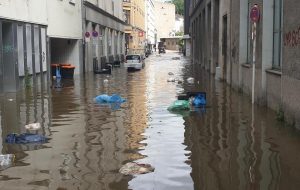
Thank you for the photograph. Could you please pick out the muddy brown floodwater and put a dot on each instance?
(229, 145)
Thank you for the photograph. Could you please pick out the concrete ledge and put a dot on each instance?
(275, 72)
(246, 65)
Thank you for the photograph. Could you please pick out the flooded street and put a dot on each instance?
(229, 145)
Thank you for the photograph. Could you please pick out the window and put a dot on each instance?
(116, 42)
(127, 16)
(109, 44)
(101, 46)
(277, 34)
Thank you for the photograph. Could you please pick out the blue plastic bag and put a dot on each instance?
(199, 100)
(25, 138)
(104, 98)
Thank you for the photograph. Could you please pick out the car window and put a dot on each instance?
(133, 57)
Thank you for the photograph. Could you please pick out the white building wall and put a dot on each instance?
(150, 21)
(113, 7)
(64, 19)
(165, 23)
(179, 25)
(33, 11)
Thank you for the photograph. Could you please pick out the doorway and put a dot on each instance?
(8, 65)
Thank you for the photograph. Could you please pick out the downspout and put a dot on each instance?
(83, 11)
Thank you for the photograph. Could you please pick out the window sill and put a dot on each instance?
(274, 72)
(246, 65)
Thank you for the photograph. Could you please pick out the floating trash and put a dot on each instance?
(170, 73)
(114, 101)
(191, 80)
(171, 80)
(180, 91)
(25, 138)
(176, 58)
(104, 98)
(199, 100)
(179, 105)
(133, 168)
(105, 81)
(10, 100)
(6, 160)
(33, 126)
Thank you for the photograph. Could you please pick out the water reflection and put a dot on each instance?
(235, 145)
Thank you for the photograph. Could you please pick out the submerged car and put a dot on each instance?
(134, 61)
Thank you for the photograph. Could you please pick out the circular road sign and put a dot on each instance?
(255, 13)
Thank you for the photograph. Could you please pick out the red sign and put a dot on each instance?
(141, 33)
(87, 34)
(254, 13)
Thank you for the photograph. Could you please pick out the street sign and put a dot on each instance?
(255, 13)
(87, 34)
(95, 34)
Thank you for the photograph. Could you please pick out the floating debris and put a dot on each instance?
(170, 73)
(171, 80)
(6, 161)
(10, 100)
(133, 168)
(33, 126)
(179, 105)
(25, 138)
(114, 98)
(191, 80)
(176, 58)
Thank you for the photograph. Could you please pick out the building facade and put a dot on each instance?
(150, 19)
(222, 43)
(134, 11)
(104, 36)
(165, 25)
(65, 32)
(23, 49)
(186, 23)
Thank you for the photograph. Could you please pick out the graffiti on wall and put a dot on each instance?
(292, 38)
(7, 48)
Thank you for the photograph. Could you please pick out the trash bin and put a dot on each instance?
(67, 71)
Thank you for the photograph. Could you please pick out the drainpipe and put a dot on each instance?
(230, 37)
(83, 11)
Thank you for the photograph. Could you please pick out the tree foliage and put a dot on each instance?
(179, 6)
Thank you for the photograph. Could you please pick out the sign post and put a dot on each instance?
(254, 16)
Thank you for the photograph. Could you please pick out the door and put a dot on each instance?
(10, 61)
